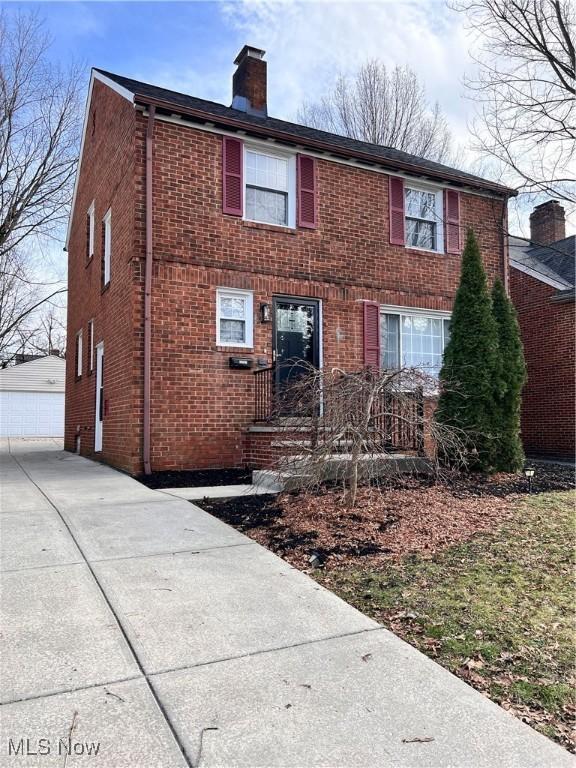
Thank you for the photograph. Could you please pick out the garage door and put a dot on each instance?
(31, 414)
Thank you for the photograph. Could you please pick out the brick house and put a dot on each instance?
(542, 278)
(207, 244)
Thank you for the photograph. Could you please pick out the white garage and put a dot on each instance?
(32, 398)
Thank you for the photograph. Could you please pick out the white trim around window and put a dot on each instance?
(90, 346)
(234, 318)
(107, 255)
(427, 223)
(404, 343)
(269, 178)
(79, 352)
(91, 229)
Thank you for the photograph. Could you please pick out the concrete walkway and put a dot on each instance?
(139, 623)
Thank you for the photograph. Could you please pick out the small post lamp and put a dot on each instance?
(265, 313)
(529, 473)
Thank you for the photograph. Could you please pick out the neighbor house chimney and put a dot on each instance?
(547, 223)
(249, 82)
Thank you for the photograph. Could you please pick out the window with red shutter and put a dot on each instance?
(307, 208)
(396, 202)
(371, 334)
(232, 161)
(452, 219)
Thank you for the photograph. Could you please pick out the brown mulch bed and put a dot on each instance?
(319, 529)
(415, 516)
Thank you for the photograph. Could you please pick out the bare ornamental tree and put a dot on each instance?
(350, 427)
(386, 107)
(526, 91)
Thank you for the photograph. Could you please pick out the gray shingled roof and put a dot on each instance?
(556, 261)
(301, 133)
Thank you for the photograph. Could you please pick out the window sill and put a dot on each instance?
(89, 261)
(105, 288)
(413, 249)
(233, 348)
(269, 227)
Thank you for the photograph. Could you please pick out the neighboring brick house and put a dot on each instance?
(542, 289)
(204, 236)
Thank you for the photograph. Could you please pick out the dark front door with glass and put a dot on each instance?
(296, 339)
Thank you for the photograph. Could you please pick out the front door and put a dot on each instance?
(99, 410)
(296, 338)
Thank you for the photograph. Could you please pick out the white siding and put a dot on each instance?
(46, 374)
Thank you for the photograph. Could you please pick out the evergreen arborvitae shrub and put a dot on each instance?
(509, 455)
(470, 373)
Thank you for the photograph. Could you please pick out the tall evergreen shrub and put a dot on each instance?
(509, 456)
(470, 374)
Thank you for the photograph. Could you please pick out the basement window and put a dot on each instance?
(234, 318)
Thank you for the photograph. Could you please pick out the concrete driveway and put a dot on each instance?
(137, 630)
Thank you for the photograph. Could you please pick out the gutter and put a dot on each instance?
(148, 294)
(371, 159)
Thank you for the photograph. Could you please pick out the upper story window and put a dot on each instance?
(423, 218)
(269, 188)
(234, 318)
(78, 354)
(413, 340)
(90, 226)
(106, 246)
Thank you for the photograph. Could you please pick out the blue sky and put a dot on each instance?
(191, 46)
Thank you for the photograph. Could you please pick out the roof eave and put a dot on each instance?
(233, 123)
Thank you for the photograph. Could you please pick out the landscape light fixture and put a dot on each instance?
(529, 473)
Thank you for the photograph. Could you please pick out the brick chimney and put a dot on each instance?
(547, 223)
(249, 82)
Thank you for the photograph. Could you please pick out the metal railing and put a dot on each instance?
(397, 421)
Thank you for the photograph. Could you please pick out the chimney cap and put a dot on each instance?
(249, 50)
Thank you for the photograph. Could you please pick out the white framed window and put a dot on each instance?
(90, 346)
(424, 216)
(107, 248)
(78, 354)
(90, 226)
(234, 318)
(413, 339)
(269, 187)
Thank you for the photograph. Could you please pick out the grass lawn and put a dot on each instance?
(497, 610)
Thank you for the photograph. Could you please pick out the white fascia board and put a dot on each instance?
(539, 276)
(125, 93)
(365, 166)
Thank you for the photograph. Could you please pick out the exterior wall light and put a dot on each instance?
(265, 313)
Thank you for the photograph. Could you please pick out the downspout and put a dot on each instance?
(505, 245)
(148, 294)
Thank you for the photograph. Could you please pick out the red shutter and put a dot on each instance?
(452, 219)
(232, 161)
(306, 186)
(371, 334)
(396, 195)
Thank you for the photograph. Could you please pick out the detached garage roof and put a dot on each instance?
(47, 374)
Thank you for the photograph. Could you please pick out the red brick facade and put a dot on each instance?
(547, 328)
(200, 409)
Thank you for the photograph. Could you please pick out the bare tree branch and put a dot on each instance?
(383, 107)
(526, 91)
